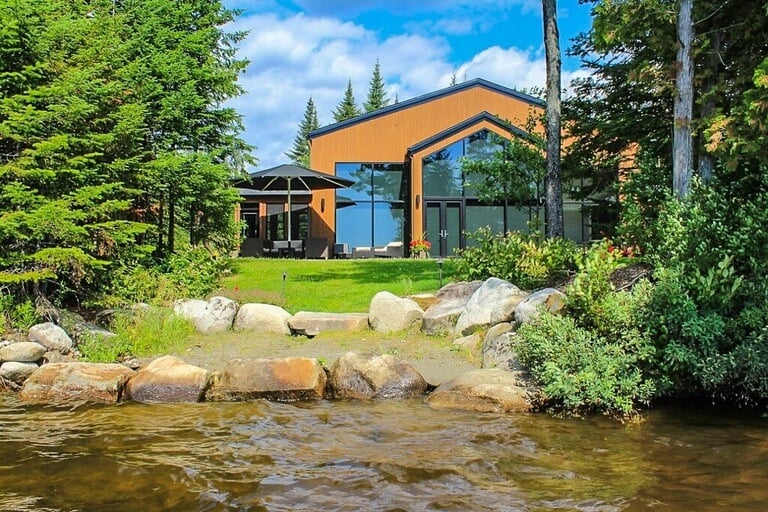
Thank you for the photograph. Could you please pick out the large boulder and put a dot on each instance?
(262, 318)
(548, 299)
(22, 352)
(389, 313)
(168, 379)
(311, 324)
(56, 382)
(493, 302)
(16, 371)
(498, 347)
(440, 317)
(288, 379)
(51, 336)
(488, 390)
(214, 315)
(367, 376)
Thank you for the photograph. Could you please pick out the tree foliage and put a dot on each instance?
(112, 136)
(625, 105)
(347, 107)
(300, 151)
(377, 95)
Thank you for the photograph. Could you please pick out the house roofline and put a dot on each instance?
(483, 116)
(477, 82)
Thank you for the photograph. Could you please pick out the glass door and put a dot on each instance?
(444, 227)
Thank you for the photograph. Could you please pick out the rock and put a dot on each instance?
(83, 331)
(489, 390)
(498, 347)
(311, 324)
(262, 318)
(288, 379)
(440, 317)
(56, 382)
(469, 342)
(424, 300)
(17, 371)
(54, 356)
(51, 336)
(389, 313)
(547, 298)
(215, 315)
(366, 376)
(494, 298)
(168, 379)
(22, 352)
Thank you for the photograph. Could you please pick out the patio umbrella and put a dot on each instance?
(291, 178)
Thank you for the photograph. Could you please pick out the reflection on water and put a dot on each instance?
(384, 456)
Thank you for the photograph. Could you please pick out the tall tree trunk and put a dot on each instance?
(554, 204)
(682, 142)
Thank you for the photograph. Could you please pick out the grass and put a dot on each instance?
(329, 285)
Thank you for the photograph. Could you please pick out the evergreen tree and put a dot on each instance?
(347, 107)
(299, 153)
(377, 96)
(112, 135)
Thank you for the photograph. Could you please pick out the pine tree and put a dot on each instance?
(347, 107)
(377, 96)
(299, 153)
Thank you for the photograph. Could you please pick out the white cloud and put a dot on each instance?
(293, 58)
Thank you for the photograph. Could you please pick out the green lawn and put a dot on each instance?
(329, 285)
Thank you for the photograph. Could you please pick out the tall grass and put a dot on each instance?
(329, 285)
(148, 332)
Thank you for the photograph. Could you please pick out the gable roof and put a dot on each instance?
(424, 98)
(482, 116)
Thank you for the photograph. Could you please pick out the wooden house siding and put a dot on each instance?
(385, 137)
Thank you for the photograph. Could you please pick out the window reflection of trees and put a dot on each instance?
(372, 211)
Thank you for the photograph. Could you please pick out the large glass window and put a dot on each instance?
(276, 221)
(371, 212)
(442, 176)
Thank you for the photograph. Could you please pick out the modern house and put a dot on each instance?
(405, 161)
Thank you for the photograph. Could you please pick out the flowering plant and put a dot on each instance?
(418, 245)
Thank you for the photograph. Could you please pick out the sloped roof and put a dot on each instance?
(477, 82)
(482, 116)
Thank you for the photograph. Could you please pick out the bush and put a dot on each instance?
(598, 358)
(527, 261)
(709, 308)
(580, 371)
(190, 273)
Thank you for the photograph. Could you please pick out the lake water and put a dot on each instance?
(378, 456)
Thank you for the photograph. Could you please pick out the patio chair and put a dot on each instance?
(362, 252)
(391, 250)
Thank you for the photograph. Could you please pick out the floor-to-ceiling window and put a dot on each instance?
(371, 212)
(453, 208)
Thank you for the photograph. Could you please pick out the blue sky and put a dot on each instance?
(303, 48)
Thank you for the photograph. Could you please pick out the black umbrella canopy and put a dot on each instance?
(294, 177)
(290, 178)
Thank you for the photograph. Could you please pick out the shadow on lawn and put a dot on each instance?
(377, 271)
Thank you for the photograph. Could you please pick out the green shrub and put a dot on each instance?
(525, 260)
(709, 308)
(582, 372)
(139, 333)
(189, 273)
(598, 358)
